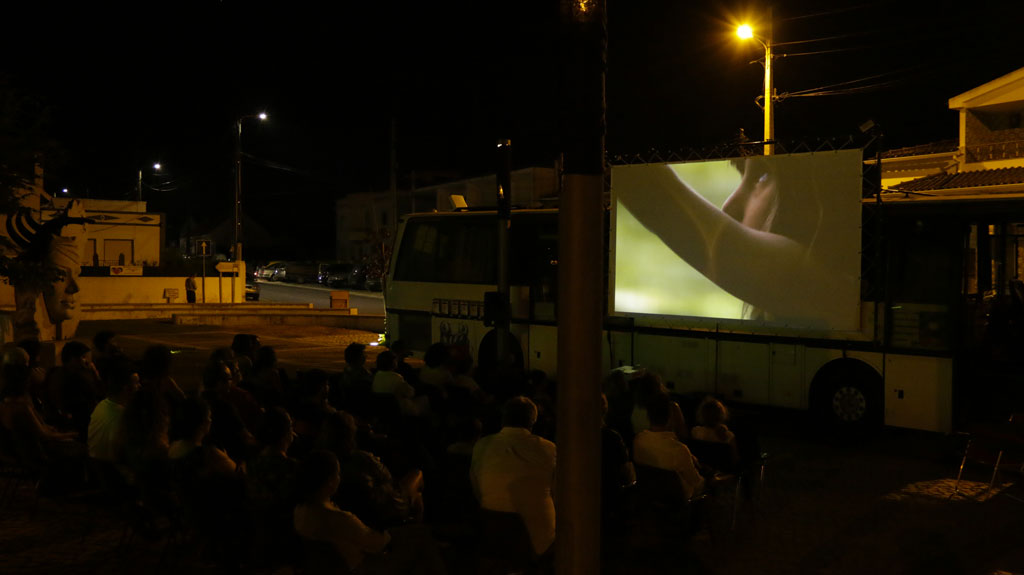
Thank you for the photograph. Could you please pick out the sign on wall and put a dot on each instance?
(126, 270)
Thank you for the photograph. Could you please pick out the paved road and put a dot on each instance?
(368, 303)
(298, 347)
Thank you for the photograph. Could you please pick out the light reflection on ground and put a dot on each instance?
(946, 489)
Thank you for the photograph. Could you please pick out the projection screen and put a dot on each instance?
(769, 239)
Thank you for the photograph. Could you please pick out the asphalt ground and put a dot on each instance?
(297, 347)
(832, 503)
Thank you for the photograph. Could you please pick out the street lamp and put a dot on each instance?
(745, 32)
(156, 167)
(238, 182)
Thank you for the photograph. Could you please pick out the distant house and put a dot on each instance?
(984, 166)
(365, 219)
(124, 233)
(988, 156)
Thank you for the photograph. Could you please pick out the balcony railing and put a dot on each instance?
(996, 151)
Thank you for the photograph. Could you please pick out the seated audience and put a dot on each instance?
(193, 423)
(387, 381)
(268, 383)
(310, 407)
(355, 382)
(105, 349)
(711, 417)
(367, 487)
(270, 485)
(405, 549)
(245, 346)
(659, 446)
(435, 372)
(74, 388)
(514, 471)
(229, 431)
(645, 387)
(106, 424)
(155, 374)
(616, 468)
(30, 435)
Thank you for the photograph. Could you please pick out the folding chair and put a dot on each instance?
(660, 493)
(998, 446)
(505, 545)
(721, 467)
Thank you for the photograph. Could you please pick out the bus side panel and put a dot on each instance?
(685, 362)
(616, 349)
(788, 387)
(919, 392)
(458, 332)
(541, 349)
(744, 370)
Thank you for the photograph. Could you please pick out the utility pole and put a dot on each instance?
(580, 280)
(504, 200)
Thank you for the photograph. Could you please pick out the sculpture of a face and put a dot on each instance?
(59, 296)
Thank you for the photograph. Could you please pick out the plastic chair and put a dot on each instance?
(659, 492)
(505, 545)
(721, 467)
(322, 558)
(1000, 446)
(16, 471)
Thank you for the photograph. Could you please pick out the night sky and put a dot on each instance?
(166, 81)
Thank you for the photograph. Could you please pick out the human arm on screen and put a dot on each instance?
(767, 270)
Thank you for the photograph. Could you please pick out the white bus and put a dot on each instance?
(768, 280)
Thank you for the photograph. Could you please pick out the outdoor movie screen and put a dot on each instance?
(771, 239)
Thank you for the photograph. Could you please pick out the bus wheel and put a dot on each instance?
(848, 393)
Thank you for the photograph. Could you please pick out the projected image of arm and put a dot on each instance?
(764, 246)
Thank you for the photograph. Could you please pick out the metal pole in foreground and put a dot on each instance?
(769, 116)
(504, 200)
(580, 288)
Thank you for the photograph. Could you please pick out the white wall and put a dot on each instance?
(113, 290)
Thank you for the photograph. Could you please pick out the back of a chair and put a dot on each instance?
(322, 558)
(504, 536)
(661, 488)
(715, 454)
(385, 410)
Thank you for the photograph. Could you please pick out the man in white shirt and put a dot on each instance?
(514, 471)
(659, 447)
(107, 419)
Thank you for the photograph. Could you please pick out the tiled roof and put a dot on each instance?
(977, 179)
(943, 147)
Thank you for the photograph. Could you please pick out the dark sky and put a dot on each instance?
(166, 81)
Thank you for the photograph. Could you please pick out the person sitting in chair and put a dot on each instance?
(659, 447)
(514, 471)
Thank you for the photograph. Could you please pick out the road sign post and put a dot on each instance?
(203, 248)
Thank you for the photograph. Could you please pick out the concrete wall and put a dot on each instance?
(113, 290)
(99, 290)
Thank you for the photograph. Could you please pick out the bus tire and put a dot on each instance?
(848, 393)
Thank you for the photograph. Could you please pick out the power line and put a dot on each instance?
(826, 13)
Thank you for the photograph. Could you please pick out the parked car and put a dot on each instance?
(252, 292)
(306, 272)
(360, 279)
(274, 271)
(337, 275)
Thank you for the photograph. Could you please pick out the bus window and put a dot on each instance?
(535, 261)
(448, 250)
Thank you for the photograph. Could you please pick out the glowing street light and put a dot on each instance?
(745, 32)
(156, 168)
(262, 116)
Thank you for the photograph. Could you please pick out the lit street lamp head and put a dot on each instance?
(745, 32)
